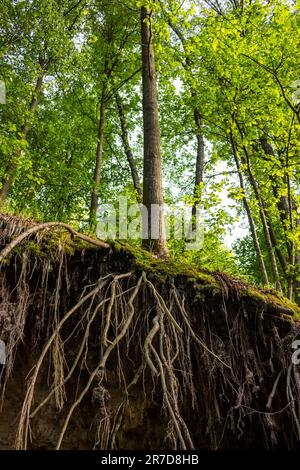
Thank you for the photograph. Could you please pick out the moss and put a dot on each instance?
(275, 300)
(170, 269)
(255, 294)
(49, 246)
(161, 268)
(36, 249)
(288, 318)
(157, 268)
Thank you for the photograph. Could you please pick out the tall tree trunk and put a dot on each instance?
(22, 135)
(281, 202)
(153, 227)
(99, 159)
(294, 225)
(199, 163)
(260, 259)
(128, 151)
(281, 209)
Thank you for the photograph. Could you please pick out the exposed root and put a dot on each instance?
(103, 360)
(209, 370)
(22, 434)
(38, 228)
(194, 336)
(163, 369)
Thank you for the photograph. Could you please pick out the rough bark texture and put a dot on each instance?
(199, 162)
(152, 185)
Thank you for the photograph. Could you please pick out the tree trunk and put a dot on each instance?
(282, 206)
(262, 213)
(99, 159)
(154, 237)
(12, 167)
(264, 222)
(260, 259)
(128, 151)
(199, 163)
(286, 205)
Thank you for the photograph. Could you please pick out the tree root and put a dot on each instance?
(38, 228)
(126, 318)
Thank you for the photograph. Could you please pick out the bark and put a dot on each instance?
(259, 255)
(282, 202)
(153, 230)
(99, 159)
(294, 223)
(278, 251)
(127, 149)
(12, 167)
(199, 163)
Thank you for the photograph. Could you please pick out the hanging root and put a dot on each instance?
(22, 435)
(169, 351)
(210, 370)
(106, 300)
(48, 225)
(104, 358)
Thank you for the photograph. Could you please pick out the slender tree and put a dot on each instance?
(247, 207)
(127, 149)
(99, 155)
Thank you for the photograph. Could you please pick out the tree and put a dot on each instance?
(128, 150)
(152, 184)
